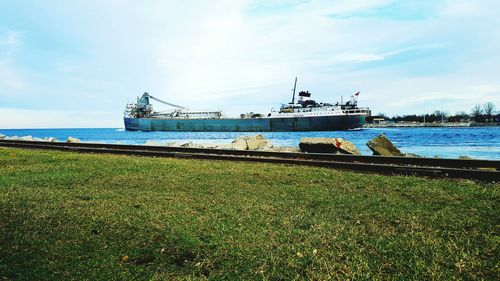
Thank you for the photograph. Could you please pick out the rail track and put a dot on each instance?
(482, 170)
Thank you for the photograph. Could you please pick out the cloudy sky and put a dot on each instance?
(77, 63)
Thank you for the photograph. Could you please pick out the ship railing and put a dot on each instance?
(356, 111)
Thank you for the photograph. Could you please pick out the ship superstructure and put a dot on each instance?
(303, 115)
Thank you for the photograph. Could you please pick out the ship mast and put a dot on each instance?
(294, 87)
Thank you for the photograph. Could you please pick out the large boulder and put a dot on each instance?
(50, 139)
(381, 145)
(257, 142)
(239, 144)
(328, 145)
(2, 137)
(73, 140)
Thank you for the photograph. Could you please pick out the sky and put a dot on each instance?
(71, 64)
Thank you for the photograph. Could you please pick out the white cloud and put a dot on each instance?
(464, 8)
(367, 57)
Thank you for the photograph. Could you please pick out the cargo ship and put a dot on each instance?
(303, 115)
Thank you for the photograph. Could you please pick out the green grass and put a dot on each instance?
(79, 216)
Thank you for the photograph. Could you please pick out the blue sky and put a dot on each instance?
(77, 63)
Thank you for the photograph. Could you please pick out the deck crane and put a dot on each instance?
(164, 102)
(144, 109)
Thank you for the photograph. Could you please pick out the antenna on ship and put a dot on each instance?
(294, 87)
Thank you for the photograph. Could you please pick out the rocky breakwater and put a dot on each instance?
(27, 138)
(379, 145)
(256, 142)
(328, 145)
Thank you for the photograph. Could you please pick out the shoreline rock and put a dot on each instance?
(25, 138)
(28, 138)
(239, 144)
(258, 142)
(328, 145)
(284, 149)
(156, 143)
(73, 140)
(381, 145)
(192, 145)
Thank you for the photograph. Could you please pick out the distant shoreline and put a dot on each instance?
(430, 125)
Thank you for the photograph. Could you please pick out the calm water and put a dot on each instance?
(480, 142)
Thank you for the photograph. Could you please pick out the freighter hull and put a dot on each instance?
(316, 123)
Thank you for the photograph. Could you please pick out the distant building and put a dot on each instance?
(376, 120)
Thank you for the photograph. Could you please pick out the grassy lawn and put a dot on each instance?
(99, 217)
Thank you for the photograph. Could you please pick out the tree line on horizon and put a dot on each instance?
(479, 113)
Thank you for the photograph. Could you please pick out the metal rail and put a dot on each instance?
(486, 170)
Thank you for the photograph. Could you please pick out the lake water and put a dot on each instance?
(475, 142)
